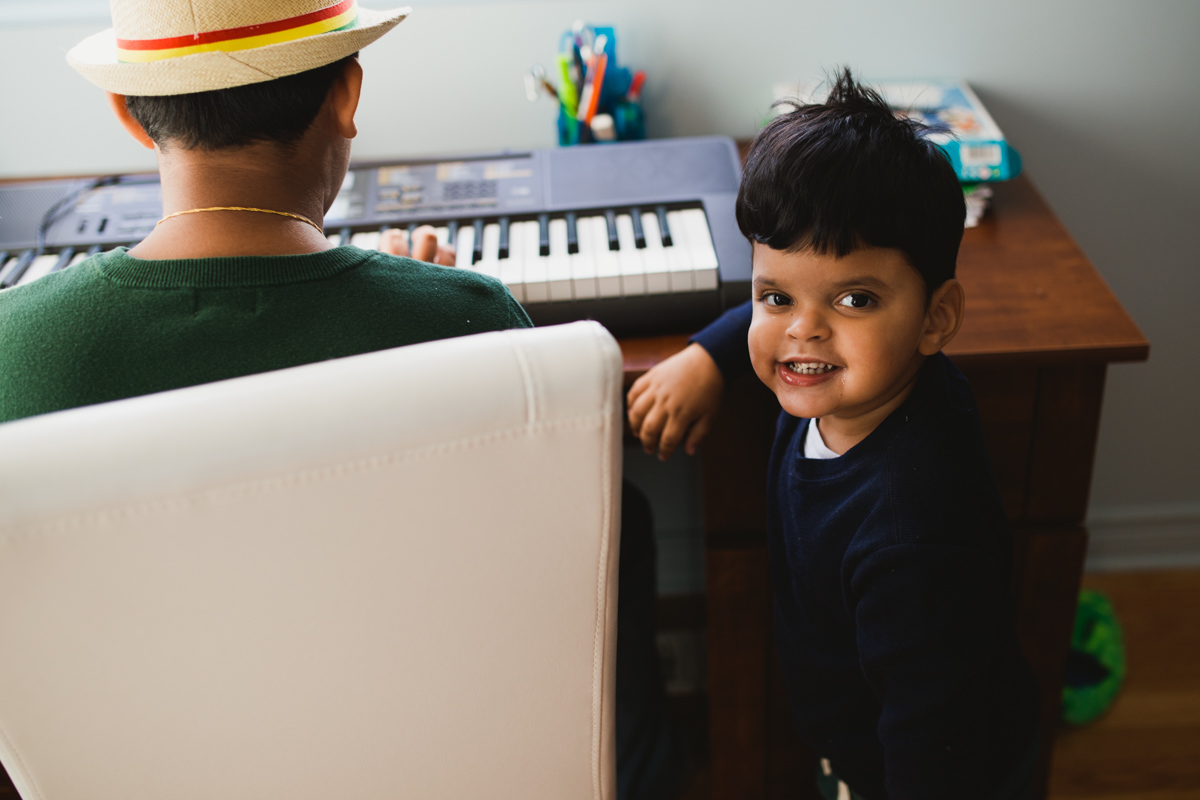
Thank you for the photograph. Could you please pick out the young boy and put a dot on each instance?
(890, 554)
(250, 108)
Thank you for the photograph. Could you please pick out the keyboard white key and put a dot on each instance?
(704, 256)
(335, 239)
(489, 264)
(583, 263)
(512, 269)
(464, 246)
(558, 263)
(654, 257)
(443, 235)
(534, 264)
(78, 257)
(633, 273)
(367, 240)
(679, 256)
(40, 267)
(608, 267)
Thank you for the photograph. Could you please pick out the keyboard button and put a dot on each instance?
(65, 259)
(610, 219)
(558, 264)
(477, 252)
(503, 246)
(367, 240)
(704, 256)
(512, 269)
(38, 268)
(679, 258)
(572, 235)
(15, 269)
(658, 273)
(464, 246)
(489, 263)
(633, 276)
(608, 269)
(536, 268)
(583, 262)
(639, 235)
(663, 226)
(544, 234)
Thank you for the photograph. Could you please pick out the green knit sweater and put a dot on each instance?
(116, 326)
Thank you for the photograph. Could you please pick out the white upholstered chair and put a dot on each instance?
(386, 576)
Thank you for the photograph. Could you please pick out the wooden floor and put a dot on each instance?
(1148, 745)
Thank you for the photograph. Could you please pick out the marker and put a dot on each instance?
(635, 86)
(589, 98)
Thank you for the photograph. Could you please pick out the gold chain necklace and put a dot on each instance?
(242, 208)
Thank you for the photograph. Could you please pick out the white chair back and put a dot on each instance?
(385, 576)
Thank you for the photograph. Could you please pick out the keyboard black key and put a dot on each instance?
(661, 211)
(452, 233)
(544, 234)
(477, 252)
(503, 249)
(344, 236)
(610, 219)
(16, 272)
(64, 259)
(572, 235)
(639, 236)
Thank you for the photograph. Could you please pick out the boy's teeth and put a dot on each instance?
(805, 368)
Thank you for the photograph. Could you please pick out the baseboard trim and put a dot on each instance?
(1143, 537)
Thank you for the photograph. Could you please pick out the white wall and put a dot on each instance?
(1102, 97)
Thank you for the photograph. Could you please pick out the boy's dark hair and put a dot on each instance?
(850, 173)
(278, 110)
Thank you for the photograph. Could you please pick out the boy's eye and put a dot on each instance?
(856, 300)
(774, 299)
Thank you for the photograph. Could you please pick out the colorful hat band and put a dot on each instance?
(337, 17)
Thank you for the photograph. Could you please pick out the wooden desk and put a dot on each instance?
(1040, 329)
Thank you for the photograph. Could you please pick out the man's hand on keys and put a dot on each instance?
(425, 245)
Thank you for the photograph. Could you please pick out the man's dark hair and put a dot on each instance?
(278, 110)
(848, 174)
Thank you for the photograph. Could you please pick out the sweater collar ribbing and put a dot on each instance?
(226, 272)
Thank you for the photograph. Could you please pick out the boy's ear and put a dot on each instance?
(117, 103)
(343, 97)
(943, 318)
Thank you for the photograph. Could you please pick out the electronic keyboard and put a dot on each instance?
(640, 236)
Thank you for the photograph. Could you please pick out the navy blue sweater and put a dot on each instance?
(891, 567)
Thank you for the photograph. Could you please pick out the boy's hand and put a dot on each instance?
(424, 245)
(676, 401)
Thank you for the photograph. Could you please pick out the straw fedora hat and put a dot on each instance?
(162, 47)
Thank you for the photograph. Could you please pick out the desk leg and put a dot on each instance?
(1049, 568)
(738, 589)
(738, 645)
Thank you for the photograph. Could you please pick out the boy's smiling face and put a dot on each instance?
(843, 339)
